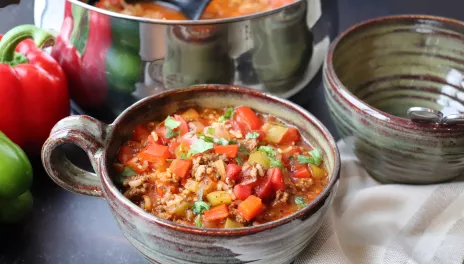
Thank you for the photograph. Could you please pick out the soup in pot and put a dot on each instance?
(220, 168)
(216, 8)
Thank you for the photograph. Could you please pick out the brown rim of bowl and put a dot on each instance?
(390, 120)
(182, 22)
(221, 231)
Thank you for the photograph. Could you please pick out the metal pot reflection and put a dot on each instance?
(122, 59)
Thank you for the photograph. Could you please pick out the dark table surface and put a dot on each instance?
(68, 228)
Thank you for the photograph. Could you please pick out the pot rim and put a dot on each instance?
(313, 205)
(185, 22)
(360, 106)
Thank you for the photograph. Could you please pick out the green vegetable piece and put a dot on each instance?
(13, 210)
(210, 130)
(171, 123)
(228, 114)
(270, 151)
(275, 163)
(200, 146)
(15, 169)
(315, 159)
(252, 135)
(199, 207)
(198, 221)
(239, 161)
(127, 172)
(171, 133)
(300, 201)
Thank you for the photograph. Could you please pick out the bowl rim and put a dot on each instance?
(313, 205)
(184, 22)
(360, 106)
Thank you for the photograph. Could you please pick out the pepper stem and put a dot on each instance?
(13, 37)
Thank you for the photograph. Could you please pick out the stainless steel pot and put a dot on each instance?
(113, 60)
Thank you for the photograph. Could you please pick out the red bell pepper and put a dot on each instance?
(90, 61)
(34, 92)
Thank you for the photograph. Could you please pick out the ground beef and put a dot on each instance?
(134, 194)
(281, 197)
(304, 184)
(249, 144)
(203, 166)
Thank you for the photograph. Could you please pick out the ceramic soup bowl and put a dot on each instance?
(378, 69)
(163, 241)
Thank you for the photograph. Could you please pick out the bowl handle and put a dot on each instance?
(85, 132)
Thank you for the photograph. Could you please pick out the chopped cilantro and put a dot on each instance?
(270, 151)
(239, 161)
(243, 149)
(315, 158)
(171, 123)
(252, 135)
(171, 133)
(127, 172)
(300, 201)
(199, 207)
(210, 130)
(233, 142)
(200, 146)
(275, 163)
(228, 114)
(198, 221)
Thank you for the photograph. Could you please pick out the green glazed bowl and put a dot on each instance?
(375, 71)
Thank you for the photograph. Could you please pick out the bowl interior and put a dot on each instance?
(395, 63)
(219, 96)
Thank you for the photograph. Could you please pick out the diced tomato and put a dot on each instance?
(230, 151)
(233, 171)
(161, 132)
(242, 192)
(154, 152)
(140, 133)
(183, 128)
(301, 172)
(292, 135)
(250, 208)
(125, 154)
(239, 126)
(180, 167)
(172, 147)
(247, 116)
(216, 213)
(137, 166)
(159, 164)
(277, 178)
(264, 188)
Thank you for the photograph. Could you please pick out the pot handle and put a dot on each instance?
(85, 132)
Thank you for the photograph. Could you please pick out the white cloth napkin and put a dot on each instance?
(391, 223)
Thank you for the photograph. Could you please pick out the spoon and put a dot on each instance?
(431, 116)
(192, 9)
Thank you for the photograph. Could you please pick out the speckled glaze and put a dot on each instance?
(378, 69)
(163, 241)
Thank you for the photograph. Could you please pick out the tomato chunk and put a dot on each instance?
(140, 133)
(277, 178)
(154, 152)
(183, 127)
(250, 208)
(292, 135)
(233, 171)
(301, 172)
(216, 213)
(180, 167)
(242, 191)
(264, 188)
(230, 151)
(125, 154)
(137, 166)
(247, 116)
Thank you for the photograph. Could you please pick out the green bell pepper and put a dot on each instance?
(15, 181)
